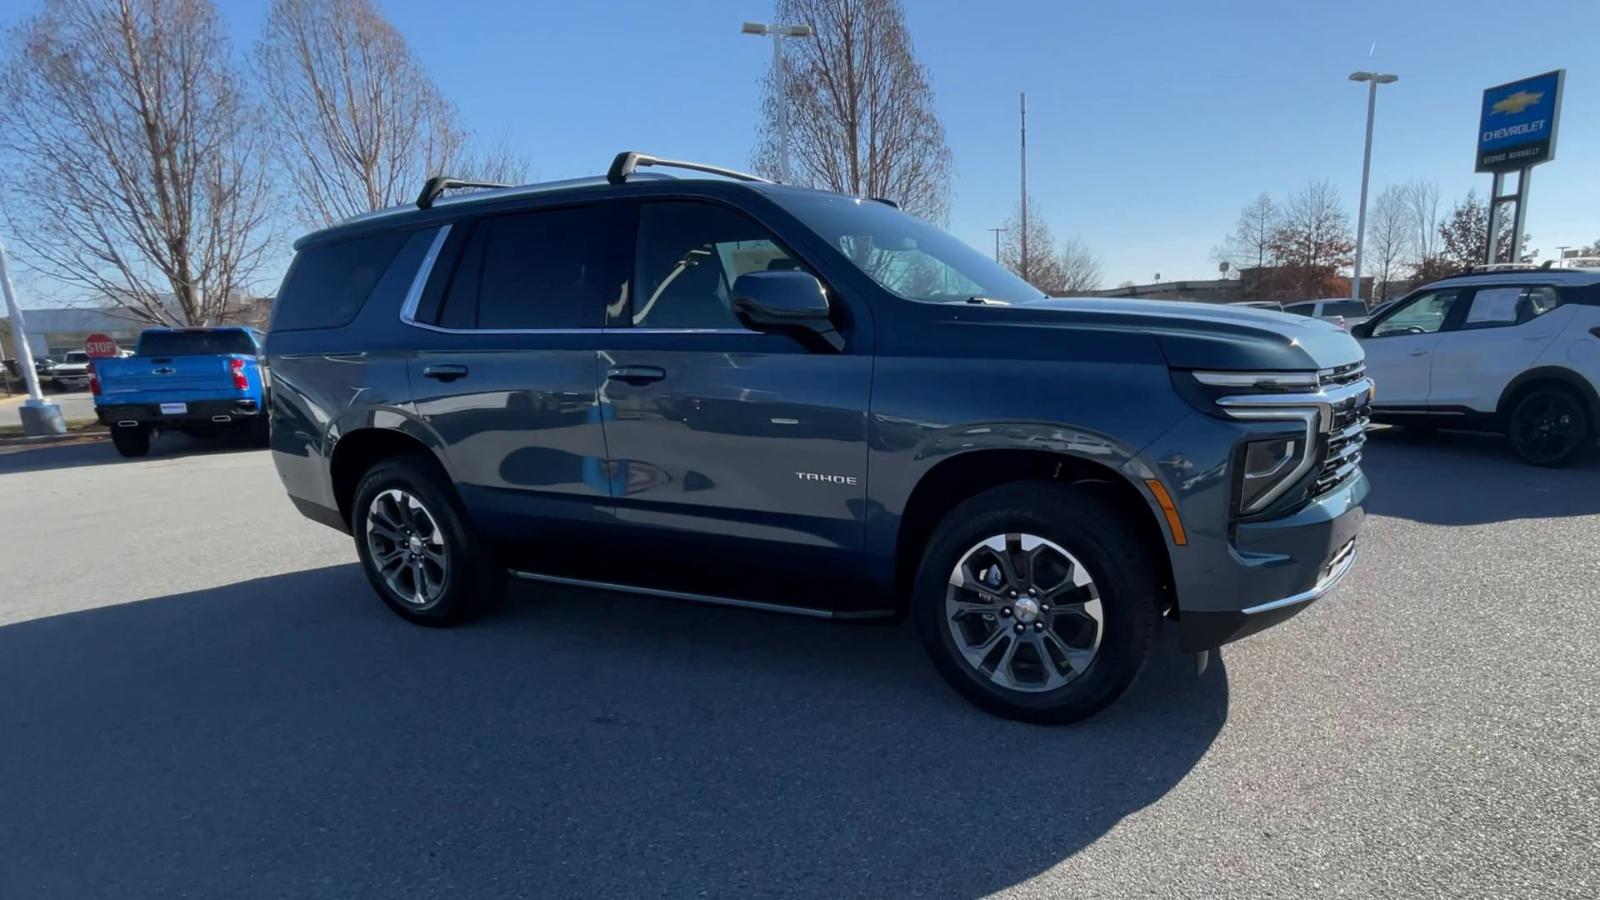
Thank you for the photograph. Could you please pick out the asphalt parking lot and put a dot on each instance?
(199, 696)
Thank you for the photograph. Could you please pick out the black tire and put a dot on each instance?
(259, 430)
(131, 442)
(471, 581)
(1549, 426)
(1109, 547)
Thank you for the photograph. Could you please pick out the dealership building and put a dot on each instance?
(52, 332)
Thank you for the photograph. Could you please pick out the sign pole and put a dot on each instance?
(1496, 188)
(38, 417)
(1519, 220)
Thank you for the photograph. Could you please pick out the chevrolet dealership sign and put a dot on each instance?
(1518, 126)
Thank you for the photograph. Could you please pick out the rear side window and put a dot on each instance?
(195, 343)
(1350, 309)
(329, 283)
(1511, 305)
(546, 269)
(1301, 309)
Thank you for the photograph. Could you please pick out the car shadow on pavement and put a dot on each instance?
(1468, 478)
(288, 736)
(99, 451)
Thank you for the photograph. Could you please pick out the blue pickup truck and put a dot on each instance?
(200, 381)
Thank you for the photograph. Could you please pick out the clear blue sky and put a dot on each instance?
(1150, 123)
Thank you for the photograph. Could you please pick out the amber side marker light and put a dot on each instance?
(1164, 500)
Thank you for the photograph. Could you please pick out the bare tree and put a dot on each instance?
(1464, 236)
(140, 178)
(860, 109)
(1045, 266)
(1311, 244)
(1080, 267)
(1250, 244)
(1389, 238)
(360, 123)
(1422, 209)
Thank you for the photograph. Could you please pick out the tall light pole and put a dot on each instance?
(1373, 79)
(38, 417)
(780, 85)
(1023, 258)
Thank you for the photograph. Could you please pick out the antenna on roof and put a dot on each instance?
(435, 187)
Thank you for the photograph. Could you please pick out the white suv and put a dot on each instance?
(1342, 309)
(1514, 350)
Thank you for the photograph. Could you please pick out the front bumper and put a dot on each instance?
(1278, 568)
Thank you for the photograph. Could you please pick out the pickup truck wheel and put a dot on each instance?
(131, 441)
(416, 548)
(1037, 602)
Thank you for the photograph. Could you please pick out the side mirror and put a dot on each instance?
(785, 302)
(1362, 330)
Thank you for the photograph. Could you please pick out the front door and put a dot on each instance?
(739, 459)
(1400, 348)
(505, 374)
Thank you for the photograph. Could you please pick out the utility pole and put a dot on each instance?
(1373, 79)
(1024, 258)
(38, 417)
(780, 81)
(997, 233)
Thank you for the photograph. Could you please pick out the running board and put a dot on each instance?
(702, 598)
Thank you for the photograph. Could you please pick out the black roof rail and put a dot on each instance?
(628, 161)
(886, 202)
(434, 187)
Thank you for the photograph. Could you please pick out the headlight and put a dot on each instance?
(1267, 468)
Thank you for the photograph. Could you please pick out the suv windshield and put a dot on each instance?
(906, 255)
(195, 343)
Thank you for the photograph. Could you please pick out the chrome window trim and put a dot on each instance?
(408, 309)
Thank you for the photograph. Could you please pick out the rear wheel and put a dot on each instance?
(259, 430)
(1037, 602)
(1549, 426)
(131, 441)
(416, 547)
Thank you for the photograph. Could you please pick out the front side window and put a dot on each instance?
(1423, 314)
(1301, 309)
(689, 255)
(904, 254)
(539, 270)
(1511, 305)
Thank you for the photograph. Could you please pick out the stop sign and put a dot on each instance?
(100, 346)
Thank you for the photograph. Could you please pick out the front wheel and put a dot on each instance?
(1038, 602)
(416, 547)
(1549, 427)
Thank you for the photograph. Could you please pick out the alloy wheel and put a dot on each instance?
(407, 548)
(1024, 613)
(1549, 427)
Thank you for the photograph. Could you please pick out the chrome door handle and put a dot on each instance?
(636, 374)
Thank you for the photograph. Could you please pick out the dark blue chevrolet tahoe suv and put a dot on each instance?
(730, 391)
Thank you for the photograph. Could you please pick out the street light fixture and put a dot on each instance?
(1373, 79)
(779, 78)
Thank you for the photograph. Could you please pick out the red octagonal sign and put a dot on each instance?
(100, 346)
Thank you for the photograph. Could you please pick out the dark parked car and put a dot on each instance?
(731, 391)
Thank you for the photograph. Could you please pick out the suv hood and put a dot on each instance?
(1206, 335)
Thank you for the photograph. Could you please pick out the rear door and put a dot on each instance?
(740, 459)
(504, 372)
(1400, 348)
(1504, 331)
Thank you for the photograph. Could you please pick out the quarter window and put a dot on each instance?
(689, 255)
